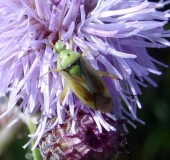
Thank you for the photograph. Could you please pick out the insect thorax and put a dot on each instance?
(66, 59)
(74, 69)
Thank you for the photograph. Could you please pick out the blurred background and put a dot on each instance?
(148, 142)
(152, 140)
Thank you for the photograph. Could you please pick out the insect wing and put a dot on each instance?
(80, 88)
(102, 96)
(93, 79)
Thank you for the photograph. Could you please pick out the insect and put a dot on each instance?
(83, 79)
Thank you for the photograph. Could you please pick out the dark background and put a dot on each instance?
(152, 140)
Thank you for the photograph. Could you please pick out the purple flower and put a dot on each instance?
(117, 32)
(88, 143)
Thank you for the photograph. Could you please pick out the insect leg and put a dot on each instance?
(51, 43)
(52, 70)
(71, 44)
(85, 51)
(63, 94)
(106, 74)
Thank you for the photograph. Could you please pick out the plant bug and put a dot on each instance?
(83, 79)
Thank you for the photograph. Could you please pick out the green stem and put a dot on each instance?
(36, 152)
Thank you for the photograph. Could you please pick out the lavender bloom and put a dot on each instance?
(118, 33)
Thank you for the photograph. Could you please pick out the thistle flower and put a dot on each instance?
(87, 143)
(117, 33)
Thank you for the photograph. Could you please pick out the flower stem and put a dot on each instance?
(36, 152)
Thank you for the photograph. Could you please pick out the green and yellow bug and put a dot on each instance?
(83, 79)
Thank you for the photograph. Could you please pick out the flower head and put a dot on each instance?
(87, 143)
(117, 34)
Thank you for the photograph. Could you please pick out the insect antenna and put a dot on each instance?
(62, 19)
